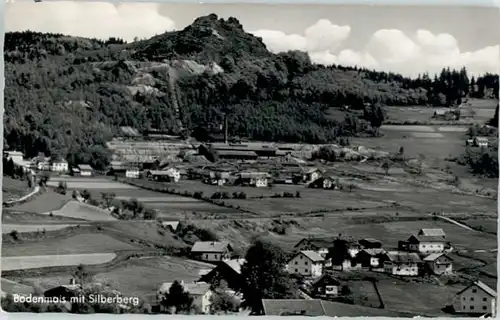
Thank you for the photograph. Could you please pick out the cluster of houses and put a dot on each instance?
(480, 142)
(422, 253)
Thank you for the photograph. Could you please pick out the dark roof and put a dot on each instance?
(311, 255)
(417, 239)
(403, 257)
(86, 167)
(326, 278)
(316, 307)
(318, 242)
(286, 307)
(236, 153)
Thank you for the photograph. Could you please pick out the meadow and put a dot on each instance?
(33, 262)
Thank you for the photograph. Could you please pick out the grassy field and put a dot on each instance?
(32, 262)
(136, 277)
(82, 243)
(44, 202)
(484, 224)
(13, 287)
(75, 209)
(13, 188)
(424, 297)
(17, 217)
(389, 233)
(7, 228)
(89, 183)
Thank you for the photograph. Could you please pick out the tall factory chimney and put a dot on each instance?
(225, 128)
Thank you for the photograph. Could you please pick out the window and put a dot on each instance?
(296, 270)
(296, 262)
(305, 270)
(472, 307)
(474, 290)
(471, 298)
(485, 299)
(306, 263)
(300, 257)
(463, 298)
(206, 256)
(216, 256)
(485, 307)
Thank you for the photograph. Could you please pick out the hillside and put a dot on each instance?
(69, 95)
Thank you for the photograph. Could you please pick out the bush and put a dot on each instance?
(14, 234)
(198, 195)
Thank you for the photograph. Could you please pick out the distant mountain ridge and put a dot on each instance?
(69, 95)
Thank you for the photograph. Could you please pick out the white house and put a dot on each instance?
(174, 173)
(255, 179)
(439, 263)
(481, 142)
(59, 165)
(199, 291)
(132, 172)
(426, 244)
(477, 298)
(402, 263)
(306, 263)
(16, 156)
(319, 245)
(85, 170)
(211, 251)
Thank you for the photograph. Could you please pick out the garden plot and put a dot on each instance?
(33, 262)
(82, 243)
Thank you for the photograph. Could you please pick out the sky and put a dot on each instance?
(406, 39)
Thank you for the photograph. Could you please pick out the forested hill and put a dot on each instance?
(69, 95)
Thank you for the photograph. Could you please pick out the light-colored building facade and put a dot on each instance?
(402, 263)
(59, 165)
(306, 263)
(477, 298)
(211, 251)
(199, 291)
(426, 244)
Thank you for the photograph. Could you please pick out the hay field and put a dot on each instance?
(81, 243)
(75, 209)
(33, 262)
(6, 228)
(426, 298)
(44, 202)
(90, 183)
(12, 188)
(135, 277)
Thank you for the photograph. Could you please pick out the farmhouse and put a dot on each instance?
(325, 287)
(16, 156)
(370, 258)
(85, 170)
(254, 179)
(432, 232)
(217, 178)
(199, 291)
(211, 251)
(319, 245)
(370, 243)
(402, 263)
(169, 175)
(477, 298)
(426, 244)
(439, 263)
(324, 183)
(306, 263)
(481, 142)
(58, 165)
(229, 271)
(124, 170)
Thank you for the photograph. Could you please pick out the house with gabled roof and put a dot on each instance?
(478, 299)
(439, 263)
(402, 263)
(319, 245)
(229, 271)
(199, 291)
(326, 286)
(426, 244)
(370, 258)
(211, 251)
(307, 263)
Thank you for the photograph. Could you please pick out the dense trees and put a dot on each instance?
(68, 96)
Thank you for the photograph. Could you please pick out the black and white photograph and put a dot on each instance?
(335, 160)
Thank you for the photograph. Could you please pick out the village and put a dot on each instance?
(217, 173)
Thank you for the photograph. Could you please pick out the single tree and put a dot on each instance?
(178, 298)
(339, 252)
(264, 276)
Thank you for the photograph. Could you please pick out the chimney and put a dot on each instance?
(225, 128)
(72, 281)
